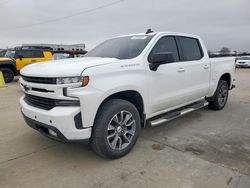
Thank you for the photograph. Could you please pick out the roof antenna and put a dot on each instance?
(149, 31)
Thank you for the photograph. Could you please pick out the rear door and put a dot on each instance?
(196, 67)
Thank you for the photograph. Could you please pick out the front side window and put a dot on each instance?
(191, 49)
(25, 54)
(165, 45)
(121, 48)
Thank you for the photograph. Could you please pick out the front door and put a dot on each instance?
(166, 84)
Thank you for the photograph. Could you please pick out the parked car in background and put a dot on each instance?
(14, 60)
(243, 62)
(65, 54)
(122, 85)
(61, 56)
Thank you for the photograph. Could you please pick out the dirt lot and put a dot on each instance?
(203, 149)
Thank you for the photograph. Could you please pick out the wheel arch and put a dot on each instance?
(227, 77)
(131, 96)
(8, 65)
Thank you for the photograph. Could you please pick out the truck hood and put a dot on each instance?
(243, 60)
(65, 67)
(5, 59)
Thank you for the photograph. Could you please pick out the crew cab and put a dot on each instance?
(14, 60)
(121, 86)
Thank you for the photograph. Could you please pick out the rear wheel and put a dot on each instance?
(220, 97)
(116, 129)
(8, 74)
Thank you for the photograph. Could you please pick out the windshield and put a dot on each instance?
(244, 58)
(2, 53)
(10, 54)
(121, 48)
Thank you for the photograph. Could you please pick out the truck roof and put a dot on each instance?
(162, 33)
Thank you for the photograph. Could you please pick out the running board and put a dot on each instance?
(177, 113)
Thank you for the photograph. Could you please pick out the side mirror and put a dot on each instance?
(20, 57)
(160, 58)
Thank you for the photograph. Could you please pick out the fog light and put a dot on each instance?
(53, 133)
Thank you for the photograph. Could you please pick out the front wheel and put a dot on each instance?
(220, 97)
(116, 129)
(8, 74)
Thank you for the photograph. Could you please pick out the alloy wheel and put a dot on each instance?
(223, 94)
(121, 130)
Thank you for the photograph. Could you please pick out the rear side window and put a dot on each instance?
(30, 54)
(38, 54)
(165, 45)
(25, 54)
(191, 49)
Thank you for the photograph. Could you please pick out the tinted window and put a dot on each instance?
(25, 54)
(122, 47)
(190, 49)
(30, 54)
(165, 45)
(38, 54)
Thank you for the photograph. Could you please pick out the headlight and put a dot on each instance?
(68, 80)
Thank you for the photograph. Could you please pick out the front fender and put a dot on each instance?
(104, 82)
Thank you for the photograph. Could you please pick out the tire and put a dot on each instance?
(112, 136)
(220, 97)
(8, 74)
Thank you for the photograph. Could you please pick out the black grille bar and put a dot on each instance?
(40, 102)
(47, 103)
(39, 80)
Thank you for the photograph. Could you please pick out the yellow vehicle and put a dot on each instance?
(16, 59)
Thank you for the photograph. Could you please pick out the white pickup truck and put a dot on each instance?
(122, 85)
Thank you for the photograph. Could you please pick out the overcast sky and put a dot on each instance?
(219, 22)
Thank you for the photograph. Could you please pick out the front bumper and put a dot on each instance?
(242, 65)
(59, 120)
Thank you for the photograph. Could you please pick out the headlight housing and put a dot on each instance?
(68, 80)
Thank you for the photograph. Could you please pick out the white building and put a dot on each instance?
(71, 47)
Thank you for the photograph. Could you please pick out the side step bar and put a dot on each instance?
(177, 113)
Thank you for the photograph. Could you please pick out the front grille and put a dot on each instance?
(40, 102)
(39, 80)
(47, 103)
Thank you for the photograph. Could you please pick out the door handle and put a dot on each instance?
(206, 67)
(181, 70)
(33, 61)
